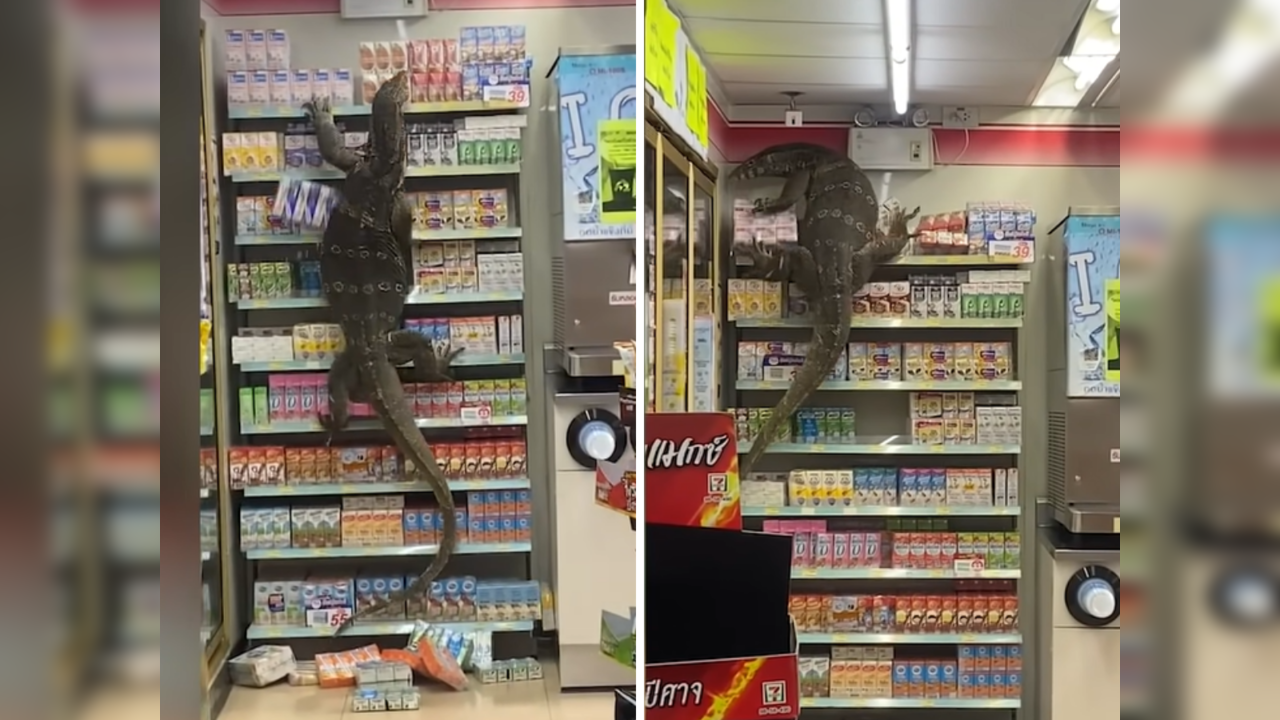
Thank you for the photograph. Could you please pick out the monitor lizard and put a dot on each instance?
(366, 263)
(838, 248)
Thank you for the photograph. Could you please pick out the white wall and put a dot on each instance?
(329, 41)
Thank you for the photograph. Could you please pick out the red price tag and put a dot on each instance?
(337, 617)
(517, 94)
(1020, 250)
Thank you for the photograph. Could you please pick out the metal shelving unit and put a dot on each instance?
(889, 442)
(505, 559)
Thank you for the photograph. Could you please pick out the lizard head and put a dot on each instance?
(784, 160)
(394, 92)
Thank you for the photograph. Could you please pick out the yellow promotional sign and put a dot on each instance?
(653, 10)
(1269, 330)
(664, 37)
(696, 97)
(1111, 292)
(617, 147)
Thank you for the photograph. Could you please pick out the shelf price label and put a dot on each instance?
(477, 415)
(808, 511)
(515, 94)
(970, 567)
(338, 616)
(1020, 251)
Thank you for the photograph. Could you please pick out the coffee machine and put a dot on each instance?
(1078, 523)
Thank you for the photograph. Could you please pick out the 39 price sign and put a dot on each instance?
(515, 94)
(1022, 251)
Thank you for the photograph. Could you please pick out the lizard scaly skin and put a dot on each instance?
(838, 248)
(366, 264)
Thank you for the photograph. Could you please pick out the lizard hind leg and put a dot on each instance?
(343, 378)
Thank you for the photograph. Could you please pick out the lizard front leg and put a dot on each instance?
(792, 192)
(332, 149)
(766, 262)
(408, 346)
(343, 376)
(886, 246)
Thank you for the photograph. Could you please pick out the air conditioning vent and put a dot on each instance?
(384, 9)
(1056, 472)
(559, 319)
(887, 148)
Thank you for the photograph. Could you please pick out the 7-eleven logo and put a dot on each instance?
(775, 693)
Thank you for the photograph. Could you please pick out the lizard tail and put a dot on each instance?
(389, 402)
(830, 337)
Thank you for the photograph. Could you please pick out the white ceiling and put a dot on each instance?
(967, 52)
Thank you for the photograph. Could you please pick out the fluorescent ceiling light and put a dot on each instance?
(901, 80)
(898, 13)
(898, 19)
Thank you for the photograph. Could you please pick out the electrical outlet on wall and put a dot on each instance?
(959, 117)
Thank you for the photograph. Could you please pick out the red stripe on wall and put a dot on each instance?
(1197, 144)
(1037, 147)
(307, 7)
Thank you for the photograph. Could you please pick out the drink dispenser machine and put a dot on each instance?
(594, 309)
(1078, 533)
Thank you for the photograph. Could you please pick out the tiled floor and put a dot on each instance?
(515, 701)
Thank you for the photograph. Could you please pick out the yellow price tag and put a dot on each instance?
(995, 448)
(818, 448)
(772, 511)
(927, 703)
(937, 448)
(808, 511)
(285, 489)
(808, 572)
(942, 510)
(1115, 525)
(968, 638)
(927, 384)
(275, 554)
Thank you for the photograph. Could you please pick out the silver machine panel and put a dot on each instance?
(593, 280)
(1083, 468)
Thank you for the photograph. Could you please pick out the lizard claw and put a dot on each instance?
(332, 425)
(317, 106)
(451, 354)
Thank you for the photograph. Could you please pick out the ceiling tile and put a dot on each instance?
(979, 97)
(842, 72)
(941, 74)
(756, 94)
(867, 12)
(1012, 15)
(952, 43)
(770, 39)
